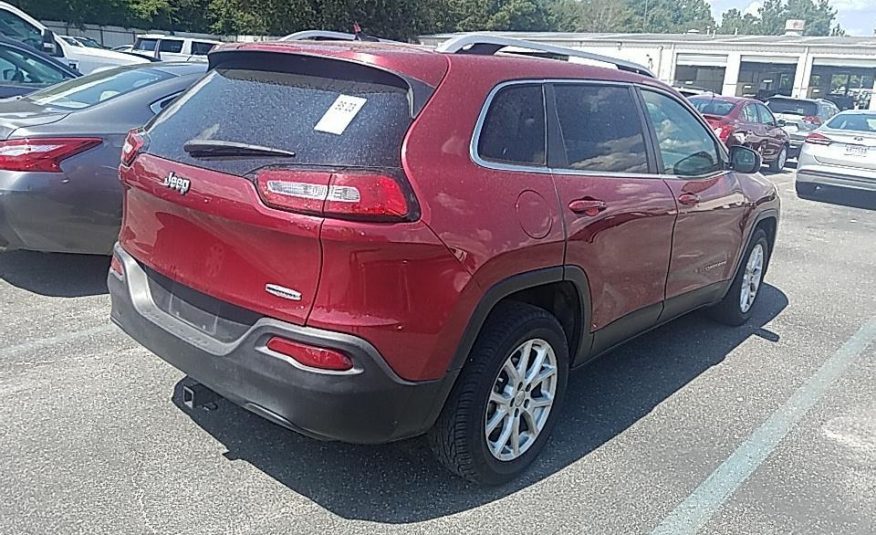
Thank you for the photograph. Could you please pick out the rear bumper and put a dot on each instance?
(45, 212)
(837, 176)
(367, 405)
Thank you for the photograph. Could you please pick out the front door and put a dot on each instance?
(618, 213)
(711, 205)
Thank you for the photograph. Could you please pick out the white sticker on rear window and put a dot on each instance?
(340, 115)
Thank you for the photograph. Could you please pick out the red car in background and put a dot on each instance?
(748, 122)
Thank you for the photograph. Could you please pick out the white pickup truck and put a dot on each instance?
(18, 25)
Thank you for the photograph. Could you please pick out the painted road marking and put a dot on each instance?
(691, 515)
(45, 342)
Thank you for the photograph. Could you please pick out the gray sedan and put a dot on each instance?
(841, 153)
(60, 150)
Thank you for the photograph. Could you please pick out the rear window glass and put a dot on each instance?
(711, 106)
(792, 107)
(513, 130)
(856, 122)
(326, 119)
(95, 88)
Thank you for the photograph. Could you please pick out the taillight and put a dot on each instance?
(723, 132)
(818, 139)
(42, 154)
(134, 144)
(360, 195)
(313, 357)
(117, 268)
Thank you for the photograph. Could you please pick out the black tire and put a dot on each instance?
(805, 190)
(729, 310)
(458, 438)
(778, 164)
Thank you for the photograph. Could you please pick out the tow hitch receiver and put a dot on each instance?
(196, 395)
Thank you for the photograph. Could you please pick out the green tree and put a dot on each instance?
(671, 16)
(590, 16)
(820, 18)
(734, 22)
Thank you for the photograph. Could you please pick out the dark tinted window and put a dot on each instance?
(601, 128)
(712, 106)
(201, 49)
(513, 130)
(308, 113)
(792, 106)
(173, 46)
(145, 44)
(686, 146)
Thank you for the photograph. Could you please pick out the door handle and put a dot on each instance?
(688, 199)
(587, 206)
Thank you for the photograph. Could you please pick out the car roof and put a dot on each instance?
(725, 98)
(429, 66)
(177, 37)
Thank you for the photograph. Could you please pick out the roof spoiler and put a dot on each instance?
(489, 44)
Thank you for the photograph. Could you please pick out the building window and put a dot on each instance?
(702, 78)
(765, 80)
(847, 87)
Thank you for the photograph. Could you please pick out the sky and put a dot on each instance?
(857, 17)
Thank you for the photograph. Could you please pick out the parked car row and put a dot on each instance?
(373, 241)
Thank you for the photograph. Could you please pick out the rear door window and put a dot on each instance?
(327, 112)
(601, 127)
(513, 131)
(749, 114)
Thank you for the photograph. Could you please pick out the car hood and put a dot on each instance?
(18, 113)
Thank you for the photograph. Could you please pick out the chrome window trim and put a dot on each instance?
(498, 166)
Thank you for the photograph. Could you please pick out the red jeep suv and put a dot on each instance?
(367, 242)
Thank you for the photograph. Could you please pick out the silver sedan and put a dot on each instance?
(841, 153)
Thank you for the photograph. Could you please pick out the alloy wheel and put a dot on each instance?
(521, 399)
(751, 278)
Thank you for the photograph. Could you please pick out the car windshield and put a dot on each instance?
(96, 88)
(791, 106)
(855, 122)
(712, 106)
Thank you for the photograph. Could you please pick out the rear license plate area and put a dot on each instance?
(203, 320)
(856, 150)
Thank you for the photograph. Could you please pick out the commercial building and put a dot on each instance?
(842, 69)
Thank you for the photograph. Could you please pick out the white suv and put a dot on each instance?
(173, 47)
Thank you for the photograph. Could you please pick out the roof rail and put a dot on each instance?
(490, 44)
(323, 35)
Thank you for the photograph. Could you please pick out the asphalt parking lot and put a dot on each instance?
(765, 429)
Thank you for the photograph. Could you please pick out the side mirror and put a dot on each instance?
(744, 160)
(49, 45)
(781, 122)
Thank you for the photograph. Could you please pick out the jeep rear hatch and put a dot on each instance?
(233, 180)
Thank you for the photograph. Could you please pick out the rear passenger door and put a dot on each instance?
(711, 205)
(618, 214)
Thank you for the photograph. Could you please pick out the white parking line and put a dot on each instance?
(692, 514)
(44, 342)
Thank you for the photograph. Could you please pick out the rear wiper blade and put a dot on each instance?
(205, 148)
